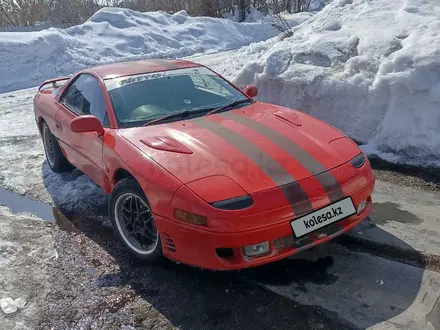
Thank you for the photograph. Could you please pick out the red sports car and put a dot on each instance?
(198, 171)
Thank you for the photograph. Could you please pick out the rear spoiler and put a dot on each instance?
(53, 82)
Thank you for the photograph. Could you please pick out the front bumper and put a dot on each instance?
(208, 249)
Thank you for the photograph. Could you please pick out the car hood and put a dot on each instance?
(260, 146)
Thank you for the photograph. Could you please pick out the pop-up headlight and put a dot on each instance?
(237, 203)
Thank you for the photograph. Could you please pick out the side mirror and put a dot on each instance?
(84, 124)
(251, 91)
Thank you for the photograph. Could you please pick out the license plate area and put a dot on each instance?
(323, 217)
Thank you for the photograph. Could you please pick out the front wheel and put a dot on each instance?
(133, 222)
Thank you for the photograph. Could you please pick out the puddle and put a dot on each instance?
(65, 223)
(19, 204)
(388, 211)
(70, 222)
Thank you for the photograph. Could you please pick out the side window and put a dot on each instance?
(210, 83)
(85, 97)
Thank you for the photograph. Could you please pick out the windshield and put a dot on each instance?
(141, 98)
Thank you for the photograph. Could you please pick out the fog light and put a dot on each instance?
(256, 249)
(362, 205)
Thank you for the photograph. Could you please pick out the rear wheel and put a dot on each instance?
(54, 156)
(133, 221)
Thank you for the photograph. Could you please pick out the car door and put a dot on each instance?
(84, 150)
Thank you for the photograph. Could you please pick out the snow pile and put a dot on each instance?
(370, 68)
(115, 34)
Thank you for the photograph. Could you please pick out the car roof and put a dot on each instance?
(120, 69)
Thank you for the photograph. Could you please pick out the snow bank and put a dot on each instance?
(115, 34)
(370, 68)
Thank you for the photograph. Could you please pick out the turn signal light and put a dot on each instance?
(358, 161)
(362, 205)
(192, 218)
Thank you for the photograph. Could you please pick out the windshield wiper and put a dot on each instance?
(180, 114)
(224, 107)
(186, 113)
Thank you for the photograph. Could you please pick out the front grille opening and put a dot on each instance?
(224, 253)
(283, 242)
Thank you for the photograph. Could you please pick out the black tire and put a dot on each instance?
(121, 193)
(54, 156)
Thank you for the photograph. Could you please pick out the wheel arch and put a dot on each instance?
(122, 173)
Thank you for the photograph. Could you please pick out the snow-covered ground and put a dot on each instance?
(116, 34)
(370, 68)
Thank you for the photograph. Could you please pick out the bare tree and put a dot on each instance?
(18, 12)
(30, 12)
(301, 5)
(279, 22)
(6, 14)
(241, 10)
(288, 6)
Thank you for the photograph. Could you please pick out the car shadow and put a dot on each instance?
(303, 292)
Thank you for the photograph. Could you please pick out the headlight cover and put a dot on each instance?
(237, 203)
(358, 161)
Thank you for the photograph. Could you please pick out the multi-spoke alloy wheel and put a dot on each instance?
(133, 221)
